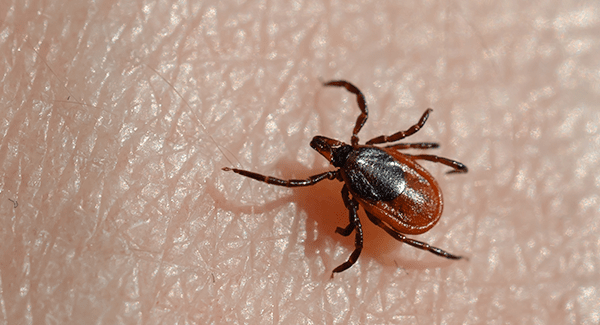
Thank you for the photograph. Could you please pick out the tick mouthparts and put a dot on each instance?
(325, 146)
(318, 143)
(335, 151)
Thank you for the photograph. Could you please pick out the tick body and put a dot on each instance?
(397, 193)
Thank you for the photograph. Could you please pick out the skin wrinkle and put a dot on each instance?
(118, 117)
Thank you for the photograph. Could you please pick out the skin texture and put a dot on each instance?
(118, 117)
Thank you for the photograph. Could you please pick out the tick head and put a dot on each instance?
(336, 152)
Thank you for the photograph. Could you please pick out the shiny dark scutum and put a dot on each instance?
(374, 174)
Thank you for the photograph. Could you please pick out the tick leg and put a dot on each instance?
(348, 203)
(402, 134)
(412, 242)
(420, 145)
(362, 104)
(285, 182)
(352, 206)
(457, 167)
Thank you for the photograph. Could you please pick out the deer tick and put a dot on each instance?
(396, 193)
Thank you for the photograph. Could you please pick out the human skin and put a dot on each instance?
(118, 117)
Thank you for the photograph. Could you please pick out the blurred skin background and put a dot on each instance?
(118, 117)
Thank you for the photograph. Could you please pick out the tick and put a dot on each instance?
(397, 193)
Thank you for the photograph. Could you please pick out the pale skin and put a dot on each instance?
(118, 117)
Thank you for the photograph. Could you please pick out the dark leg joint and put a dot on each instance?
(345, 231)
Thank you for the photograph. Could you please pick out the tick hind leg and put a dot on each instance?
(457, 167)
(362, 104)
(352, 206)
(412, 242)
(286, 182)
(402, 134)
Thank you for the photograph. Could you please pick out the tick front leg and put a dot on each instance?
(456, 166)
(285, 182)
(362, 104)
(352, 206)
(402, 134)
(412, 242)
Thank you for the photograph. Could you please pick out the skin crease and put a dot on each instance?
(124, 214)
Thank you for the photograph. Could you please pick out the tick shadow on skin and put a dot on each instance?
(323, 204)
